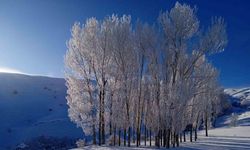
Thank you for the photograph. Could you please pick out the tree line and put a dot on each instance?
(129, 82)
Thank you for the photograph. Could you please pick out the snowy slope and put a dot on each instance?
(32, 106)
(243, 94)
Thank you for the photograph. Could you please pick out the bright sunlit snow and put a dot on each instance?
(9, 70)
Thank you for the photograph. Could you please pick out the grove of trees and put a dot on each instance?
(132, 82)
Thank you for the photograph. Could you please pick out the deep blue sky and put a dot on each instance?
(33, 33)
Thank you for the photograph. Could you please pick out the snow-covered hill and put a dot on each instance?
(241, 94)
(240, 100)
(32, 106)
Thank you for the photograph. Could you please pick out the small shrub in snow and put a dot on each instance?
(22, 146)
(80, 143)
(234, 120)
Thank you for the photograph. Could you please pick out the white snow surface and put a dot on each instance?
(32, 106)
(233, 138)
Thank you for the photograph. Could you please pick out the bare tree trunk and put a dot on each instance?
(164, 138)
(103, 119)
(128, 117)
(155, 140)
(206, 124)
(129, 132)
(137, 136)
(100, 119)
(181, 138)
(111, 113)
(195, 134)
(173, 139)
(103, 130)
(114, 136)
(145, 135)
(139, 103)
(119, 140)
(196, 127)
(158, 138)
(150, 137)
(191, 135)
(133, 134)
(124, 136)
(94, 135)
(168, 139)
(184, 136)
(161, 137)
(110, 129)
(177, 140)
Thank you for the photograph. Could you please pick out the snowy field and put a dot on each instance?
(235, 138)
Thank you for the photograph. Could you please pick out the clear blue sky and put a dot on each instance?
(33, 33)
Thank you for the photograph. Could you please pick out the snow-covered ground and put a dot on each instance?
(233, 138)
(32, 106)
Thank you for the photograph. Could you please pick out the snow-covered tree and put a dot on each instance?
(124, 57)
(81, 95)
(128, 79)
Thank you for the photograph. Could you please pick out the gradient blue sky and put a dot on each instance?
(33, 33)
